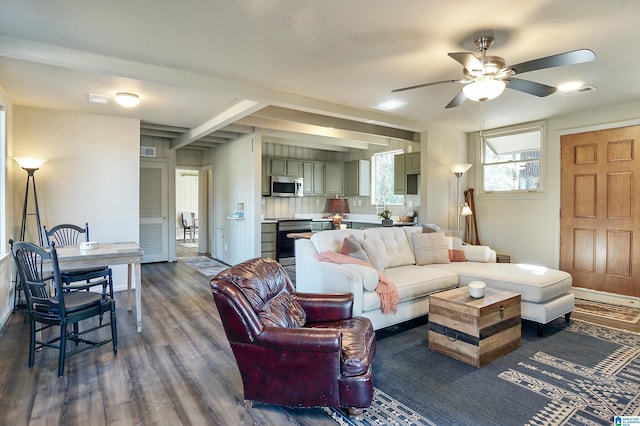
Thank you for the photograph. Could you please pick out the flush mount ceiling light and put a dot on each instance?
(127, 99)
(483, 89)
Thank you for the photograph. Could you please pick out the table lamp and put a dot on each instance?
(337, 207)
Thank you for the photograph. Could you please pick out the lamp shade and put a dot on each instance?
(466, 210)
(459, 168)
(484, 89)
(30, 163)
(337, 205)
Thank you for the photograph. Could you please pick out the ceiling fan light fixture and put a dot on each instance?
(127, 99)
(484, 89)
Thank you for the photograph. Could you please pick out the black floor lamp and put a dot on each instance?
(30, 165)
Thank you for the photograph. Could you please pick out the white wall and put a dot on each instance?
(92, 173)
(6, 277)
(529, 229)
(237, 169)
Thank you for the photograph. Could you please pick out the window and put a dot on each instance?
(3, 166)
(382, 173)
(512, 160)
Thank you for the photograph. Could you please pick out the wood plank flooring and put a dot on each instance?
(178, 371)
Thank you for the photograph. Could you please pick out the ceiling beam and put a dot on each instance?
(287, 114)
(236, 111)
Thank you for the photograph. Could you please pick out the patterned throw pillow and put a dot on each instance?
(430, 248)
(456, 251)
(374, 257)
(351, 247)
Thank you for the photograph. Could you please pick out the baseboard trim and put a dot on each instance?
(604, 297)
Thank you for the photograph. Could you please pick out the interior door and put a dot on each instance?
(154, 208)
(599, 226)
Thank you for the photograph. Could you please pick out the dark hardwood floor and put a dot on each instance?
(178, 371)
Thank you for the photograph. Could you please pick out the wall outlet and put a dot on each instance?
(225, 247)
(410, 204)
(317, 202)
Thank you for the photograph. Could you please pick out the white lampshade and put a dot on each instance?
(484, 89)
(459, 168)
(30, 162)
(466, 210)
(127, 99)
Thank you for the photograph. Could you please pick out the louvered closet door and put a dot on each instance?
(600, 210)
(154, 224)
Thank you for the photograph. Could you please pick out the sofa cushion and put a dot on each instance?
(332, 240)
(391, 244)
(477, 253)
(413, 282)
(353, 248)
(456, 250)
(430, 248)
(535, 283)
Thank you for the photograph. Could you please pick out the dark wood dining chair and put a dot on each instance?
(71, 235)
(53, 307)
(188, 221)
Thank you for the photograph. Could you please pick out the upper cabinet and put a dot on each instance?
(282, 167)
(334, 178)
(412, 163)
(406, 171)
(266, 173)
(357, 177)
(313, 174)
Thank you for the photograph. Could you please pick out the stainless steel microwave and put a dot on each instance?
(286, 186)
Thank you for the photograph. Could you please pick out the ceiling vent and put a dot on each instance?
(583, 89)
(94, 98)
(147, 151)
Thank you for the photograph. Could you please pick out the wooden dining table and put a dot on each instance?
(109, 254)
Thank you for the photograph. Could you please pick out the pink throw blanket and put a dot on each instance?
(387, 291)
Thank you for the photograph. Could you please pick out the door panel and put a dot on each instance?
(599, 225)
(154, 222)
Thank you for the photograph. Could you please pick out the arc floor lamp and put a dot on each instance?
(30, 165)
(459, 170)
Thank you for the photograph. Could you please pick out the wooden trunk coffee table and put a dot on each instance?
(474, 331)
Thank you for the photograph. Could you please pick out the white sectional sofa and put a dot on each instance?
(545, 292)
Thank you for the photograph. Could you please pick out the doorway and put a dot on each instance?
(187, 209)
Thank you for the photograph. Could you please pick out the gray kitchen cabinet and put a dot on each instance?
(334, 179)
(313, 174)
(266, 175)
(321, 225)
(282, 167)
(268, 240)
(357, 177)
(412, 163)
(399, 175)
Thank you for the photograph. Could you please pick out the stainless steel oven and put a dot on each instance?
(285, 247)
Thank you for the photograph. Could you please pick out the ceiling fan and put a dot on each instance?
(487, 76)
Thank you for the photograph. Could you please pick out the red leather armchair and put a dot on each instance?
(294, 349)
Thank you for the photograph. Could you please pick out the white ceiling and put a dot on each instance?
(191, 61)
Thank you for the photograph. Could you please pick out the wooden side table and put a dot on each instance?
(474, 331)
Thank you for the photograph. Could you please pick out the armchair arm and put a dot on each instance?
(301, 339)
(321, 307)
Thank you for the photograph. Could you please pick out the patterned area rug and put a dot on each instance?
(618, 313)
(189, 245)
(204, 265)
(577, 374)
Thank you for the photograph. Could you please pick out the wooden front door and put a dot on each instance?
(600, 211)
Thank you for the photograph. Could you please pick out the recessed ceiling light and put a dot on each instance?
(570, 86)
(127, 99)
(98, 99)
(391, 105)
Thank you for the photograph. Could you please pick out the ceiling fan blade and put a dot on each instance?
(468, 60)
(559, 60)
(417, 86)
(458, 100)
(530, 87)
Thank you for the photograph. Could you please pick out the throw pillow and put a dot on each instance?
(283, 311)
(456, 251)
(430, 248)
(374, 257)
(351, 247)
